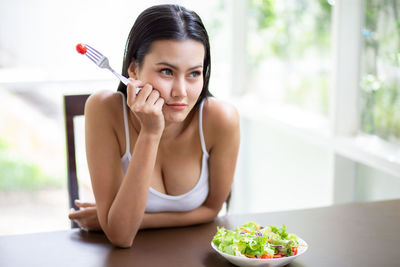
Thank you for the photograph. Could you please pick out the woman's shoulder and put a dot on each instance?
(220, 117)
(104, 103)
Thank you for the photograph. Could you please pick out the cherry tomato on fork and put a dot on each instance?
(81, 49)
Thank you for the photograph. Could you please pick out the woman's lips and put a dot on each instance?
(177, 106)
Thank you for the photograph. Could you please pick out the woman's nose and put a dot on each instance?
(179, 88)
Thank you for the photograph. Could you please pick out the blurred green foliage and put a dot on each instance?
(17, 174)
(380, 79)
(300, 26)
(294, 31)
(264, 12)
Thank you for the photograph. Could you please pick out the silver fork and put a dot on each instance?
(102, 61)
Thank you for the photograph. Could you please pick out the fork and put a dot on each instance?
(102, 61)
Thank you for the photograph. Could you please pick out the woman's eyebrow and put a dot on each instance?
(174, 67)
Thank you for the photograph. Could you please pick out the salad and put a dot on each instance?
(254, 241)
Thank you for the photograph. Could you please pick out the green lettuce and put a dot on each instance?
(253, 240)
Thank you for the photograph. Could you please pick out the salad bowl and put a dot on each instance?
(244, 261)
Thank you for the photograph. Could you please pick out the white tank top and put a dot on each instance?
(159, 202)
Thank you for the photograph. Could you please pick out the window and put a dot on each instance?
(303, 80)
(289, 52)
(380, 78)
(283, 90)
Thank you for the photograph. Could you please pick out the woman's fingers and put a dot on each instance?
(145, 100)
(153, 97)
(131, 90)
(74, 214)
(86, 218)
(81, 204)
(147, 107)
(79, 214)
(141, 98)
(159, 103)
(86, 208)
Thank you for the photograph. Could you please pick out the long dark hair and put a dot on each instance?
(165, 22)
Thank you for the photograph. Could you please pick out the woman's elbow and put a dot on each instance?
(120, 232)
(211, 214)
(121, 241)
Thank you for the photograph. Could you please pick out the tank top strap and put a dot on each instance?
(203, 143)
(127, 141)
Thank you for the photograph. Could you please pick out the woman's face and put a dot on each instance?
(175, 69)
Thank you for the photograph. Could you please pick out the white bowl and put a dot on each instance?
(251, 262)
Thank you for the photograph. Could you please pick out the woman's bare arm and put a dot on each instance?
(120, 199)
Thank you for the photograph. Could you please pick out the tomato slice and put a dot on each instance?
(81, 49)
(266, 256)
(294, 250)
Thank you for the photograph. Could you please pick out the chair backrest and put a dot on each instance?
(74, 105)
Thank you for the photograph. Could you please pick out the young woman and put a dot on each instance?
(166, 156)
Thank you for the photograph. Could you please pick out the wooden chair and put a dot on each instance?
(74, 105)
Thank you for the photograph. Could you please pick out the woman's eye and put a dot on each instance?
(166, 71)
(194, 74)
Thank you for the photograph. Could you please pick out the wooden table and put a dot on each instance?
(356, 234)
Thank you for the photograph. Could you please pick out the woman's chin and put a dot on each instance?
(175, 118)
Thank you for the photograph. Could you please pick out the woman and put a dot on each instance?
(146, 152)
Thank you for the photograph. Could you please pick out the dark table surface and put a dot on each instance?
(355, 234)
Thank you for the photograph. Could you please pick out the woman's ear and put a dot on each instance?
(133, 70)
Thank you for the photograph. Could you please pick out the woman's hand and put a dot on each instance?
(86, 216)
(147, 106)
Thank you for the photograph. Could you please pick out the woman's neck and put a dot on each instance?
(174, 130)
